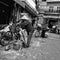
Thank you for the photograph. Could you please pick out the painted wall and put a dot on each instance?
(54, 4)
(59, 23)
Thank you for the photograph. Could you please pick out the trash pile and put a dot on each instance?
(12, 37)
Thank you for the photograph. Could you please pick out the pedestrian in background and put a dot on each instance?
(27, 25)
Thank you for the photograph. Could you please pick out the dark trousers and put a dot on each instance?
(58, 31)
(43, 33)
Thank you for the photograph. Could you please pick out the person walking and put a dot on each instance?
(27, 25)
(44, 29)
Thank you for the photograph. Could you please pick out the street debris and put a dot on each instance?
(11, 37)
(36, 43)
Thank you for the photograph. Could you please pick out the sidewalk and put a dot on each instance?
(41, 49)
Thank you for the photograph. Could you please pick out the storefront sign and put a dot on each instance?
(45, 8)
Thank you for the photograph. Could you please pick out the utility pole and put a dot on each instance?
(37, 4)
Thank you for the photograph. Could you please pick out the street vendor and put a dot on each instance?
(27, 24)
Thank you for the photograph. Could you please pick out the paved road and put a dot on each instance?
(51, 48)
(41, 49)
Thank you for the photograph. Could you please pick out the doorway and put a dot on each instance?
(52, 22)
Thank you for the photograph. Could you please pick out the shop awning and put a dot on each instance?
(30, 10)
(20, 3)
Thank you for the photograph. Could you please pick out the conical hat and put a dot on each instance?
(24, 17)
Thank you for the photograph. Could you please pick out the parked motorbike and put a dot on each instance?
(39, 33)
(8, 38)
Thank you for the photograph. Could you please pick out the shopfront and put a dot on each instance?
(51, 20)
(5, 11)
(12, 9)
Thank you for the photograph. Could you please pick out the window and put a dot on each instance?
(50, 9)
(44, 0)
(58, 9)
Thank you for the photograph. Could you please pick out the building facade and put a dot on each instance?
(13, 9)
(51, 12)
(54, 12)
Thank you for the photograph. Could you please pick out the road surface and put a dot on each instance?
(40, 49)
